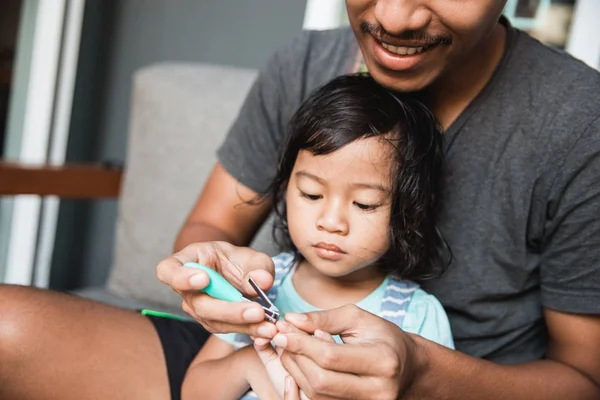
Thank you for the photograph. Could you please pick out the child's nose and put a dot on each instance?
(333, 219)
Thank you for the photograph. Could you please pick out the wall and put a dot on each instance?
(118, 38)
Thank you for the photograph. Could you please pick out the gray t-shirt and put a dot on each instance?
(521, 207)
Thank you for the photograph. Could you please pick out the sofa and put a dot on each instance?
(179, 116)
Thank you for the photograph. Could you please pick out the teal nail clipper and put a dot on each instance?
(219, 288)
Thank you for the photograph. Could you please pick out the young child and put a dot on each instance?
(356, 195)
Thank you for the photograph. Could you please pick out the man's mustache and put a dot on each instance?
(377, 31)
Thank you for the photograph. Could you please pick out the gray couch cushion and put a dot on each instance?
(179, 116)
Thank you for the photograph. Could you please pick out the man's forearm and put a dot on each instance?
(447, 374)
(200, 232)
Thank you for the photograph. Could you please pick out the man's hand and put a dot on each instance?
(377, 359)
(234, 263)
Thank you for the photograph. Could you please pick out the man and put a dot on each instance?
(520, 214)
(523, 153)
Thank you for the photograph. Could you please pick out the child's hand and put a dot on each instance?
(256, 375)
(271, 360)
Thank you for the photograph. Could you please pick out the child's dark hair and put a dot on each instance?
(353, 107)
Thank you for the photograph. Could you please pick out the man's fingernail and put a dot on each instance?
(265, 331)
(280, 341)
(253, 314)
(323, 335)
(198, 280)
(296, 317)
(288, 383)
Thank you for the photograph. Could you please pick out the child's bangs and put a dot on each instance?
(326, 140)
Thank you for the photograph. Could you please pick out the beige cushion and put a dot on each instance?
(179, 116)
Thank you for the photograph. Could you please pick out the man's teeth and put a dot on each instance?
(402, 50)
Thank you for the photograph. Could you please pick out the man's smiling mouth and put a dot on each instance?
(404, 50)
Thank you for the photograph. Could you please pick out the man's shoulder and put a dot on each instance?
(545, 93)
(553, 74)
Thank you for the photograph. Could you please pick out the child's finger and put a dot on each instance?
(286, 327)
(260, 342)
(303, 396)
(265, 351)
(291, 389)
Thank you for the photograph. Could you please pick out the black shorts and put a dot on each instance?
(181, 342)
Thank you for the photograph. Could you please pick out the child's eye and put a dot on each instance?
(366, 207)
(310, 196)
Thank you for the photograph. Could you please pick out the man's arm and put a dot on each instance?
(379, 360)
(222, 213)
(571, 370)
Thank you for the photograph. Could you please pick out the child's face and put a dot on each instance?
(338, 206)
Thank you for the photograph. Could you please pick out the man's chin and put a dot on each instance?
(402, 82)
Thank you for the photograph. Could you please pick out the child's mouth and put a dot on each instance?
(329, 251)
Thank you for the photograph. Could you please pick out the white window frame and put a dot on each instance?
(324, 14)
(43, 137)
(584, 35)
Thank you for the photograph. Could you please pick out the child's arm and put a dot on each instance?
(217, 372)
(221, 372)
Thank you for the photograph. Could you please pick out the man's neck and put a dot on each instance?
(455, 90)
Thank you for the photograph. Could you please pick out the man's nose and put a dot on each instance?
(399, 16)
